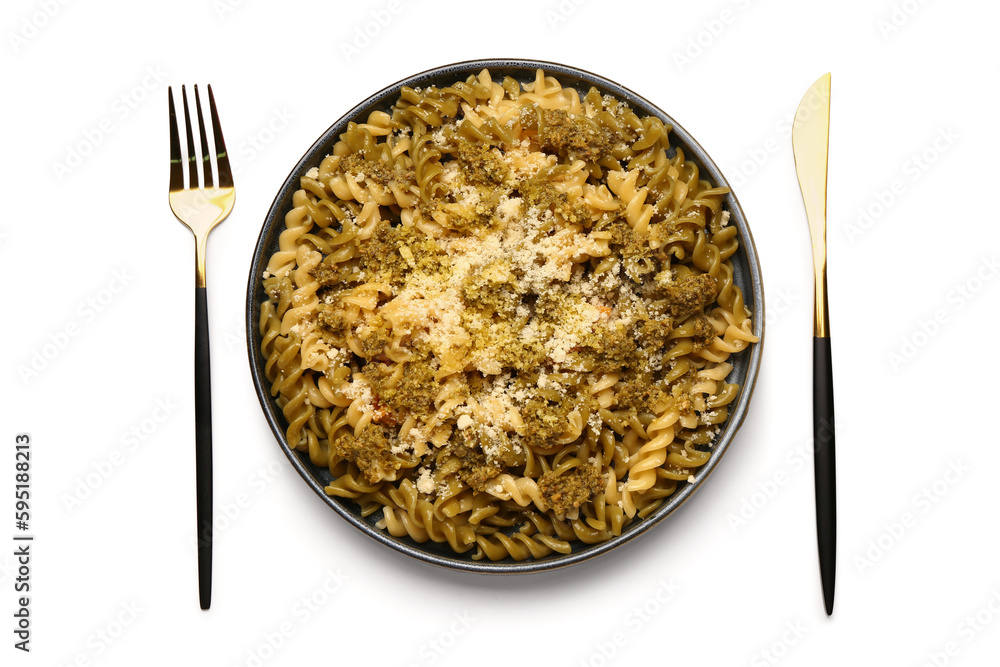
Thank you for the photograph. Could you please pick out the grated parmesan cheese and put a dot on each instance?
(425, 481)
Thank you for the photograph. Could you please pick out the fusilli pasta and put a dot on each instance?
(502, 314)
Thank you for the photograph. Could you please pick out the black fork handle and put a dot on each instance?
(203, 444)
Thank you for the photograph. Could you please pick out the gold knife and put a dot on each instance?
(810, 145)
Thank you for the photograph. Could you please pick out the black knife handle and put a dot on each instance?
(825, 460)
(203, 445)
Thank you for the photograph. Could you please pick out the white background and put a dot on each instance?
(918, 279)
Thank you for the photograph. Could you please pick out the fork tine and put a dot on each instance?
(206, 165)
(225, 172)
(192, 160)
(176, 168)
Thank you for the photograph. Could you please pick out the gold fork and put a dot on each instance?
(201, 208)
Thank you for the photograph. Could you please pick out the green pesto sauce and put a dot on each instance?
(381, 259)
(414, 392)
(370, 451)
(465, 451)
(568, 491)
(574, 136)
(482, 164)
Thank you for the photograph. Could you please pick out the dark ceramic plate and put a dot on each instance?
(747, 276)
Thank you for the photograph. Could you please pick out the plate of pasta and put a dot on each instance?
(504, 316)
